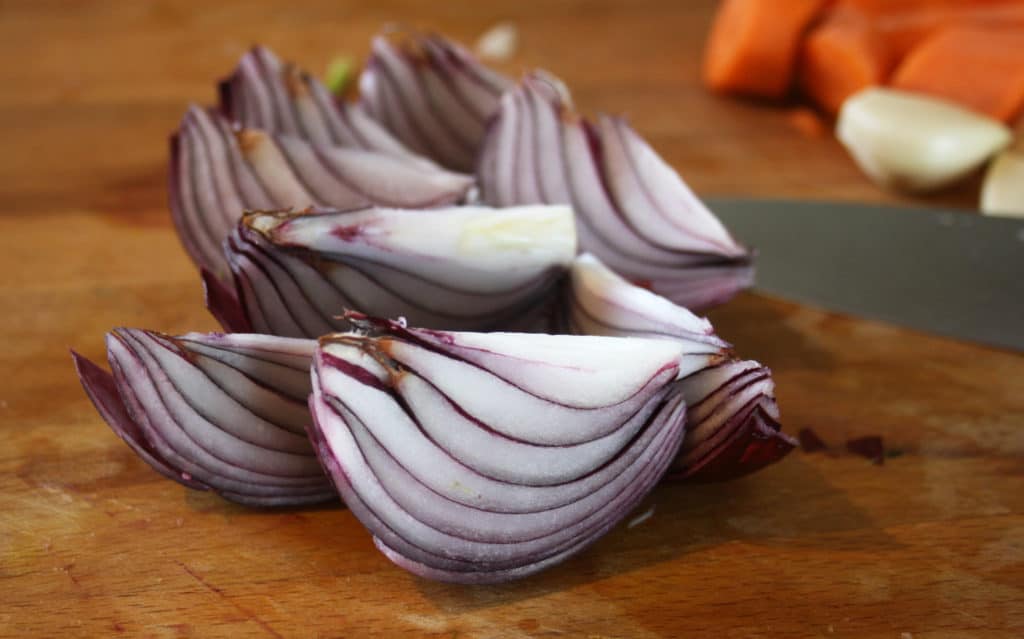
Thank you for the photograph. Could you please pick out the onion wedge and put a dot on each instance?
(633, 210)
(214, 412)
(732, 415)
(431, 94)
(463, 267)
(218, 171)
(481, 458)
(278, 97)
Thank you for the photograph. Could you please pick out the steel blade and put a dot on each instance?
(952, 273)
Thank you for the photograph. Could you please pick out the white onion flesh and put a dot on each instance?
(461, 267)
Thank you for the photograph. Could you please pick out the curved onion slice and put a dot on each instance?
(278, 97)
(433, 95)
(732, 415)
(460, 267)
(215, 412)
(633, 209)
(218, 172)
(480, 458)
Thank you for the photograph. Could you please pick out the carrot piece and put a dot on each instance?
(980, 68)
(840, 57)
(903, 24)
(807, 121)
(753, 45)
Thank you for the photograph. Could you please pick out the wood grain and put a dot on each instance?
(93, 543)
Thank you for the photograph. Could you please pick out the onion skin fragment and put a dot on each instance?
(218, 171)
(473, 268)
(733, 428)
(211, 411)
(430, 509)
(633, 210)
(431, 94)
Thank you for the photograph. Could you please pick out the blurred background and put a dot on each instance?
(96, 87)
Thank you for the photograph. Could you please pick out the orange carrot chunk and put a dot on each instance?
(903, 24)
(840, 57)
(981, 68)
(753, 45)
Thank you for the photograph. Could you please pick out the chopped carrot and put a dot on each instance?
(807, 122)
(981, 68)
(902, 24)
(840, 57)
(753, 45)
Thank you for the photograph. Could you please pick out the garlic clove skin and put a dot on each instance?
(1002, 193)
(499, 43)
(911, 142)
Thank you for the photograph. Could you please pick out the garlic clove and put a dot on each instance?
(1002, 193)
(911, 142)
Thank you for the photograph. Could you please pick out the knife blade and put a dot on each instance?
(946, 272)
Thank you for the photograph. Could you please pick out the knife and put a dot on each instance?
(947, 272)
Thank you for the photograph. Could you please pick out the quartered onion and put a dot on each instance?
(732, 416)
(431, 94)
(278, 97)
(465, 267)
(218, 171)
(478, 458)
(633, 210)
(214, 412)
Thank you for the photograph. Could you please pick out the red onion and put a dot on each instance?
(433, 95)
(633, 210)
(218, 172)
(479, 458)
(460, 267)
(471, 457)
(732, 415)
(278, 97)
(214, 412)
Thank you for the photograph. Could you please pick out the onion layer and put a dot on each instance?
(214, 412)
(633, 210)
(478, 458)
(433, 95)
(217, 172)
(462, 267)
(732, 416)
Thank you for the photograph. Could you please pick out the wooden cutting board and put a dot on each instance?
(93, 543)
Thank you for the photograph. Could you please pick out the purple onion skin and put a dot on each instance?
(102, 390)
(191, 406)
(759, 444)
(223, 305)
